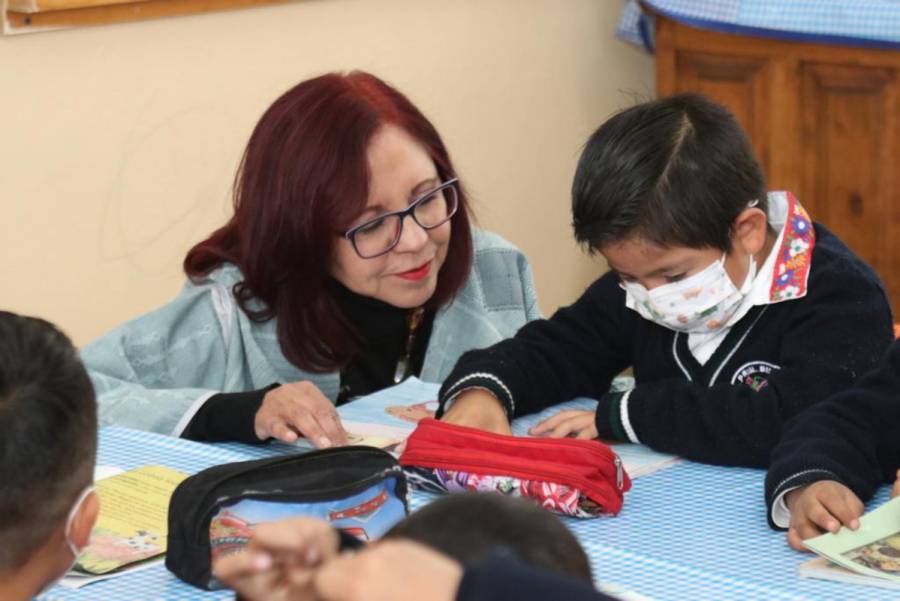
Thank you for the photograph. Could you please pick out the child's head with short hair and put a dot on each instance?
(469, 527)
(675, 171)
(667, 188)
(48, 443)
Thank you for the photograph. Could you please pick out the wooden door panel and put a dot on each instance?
(848, 116)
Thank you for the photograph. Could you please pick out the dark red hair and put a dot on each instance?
(303, 179)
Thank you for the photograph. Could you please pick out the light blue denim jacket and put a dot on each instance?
(155, 372)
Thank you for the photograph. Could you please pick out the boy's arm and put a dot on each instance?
(832, 339)
(576, 352)
(846, 438)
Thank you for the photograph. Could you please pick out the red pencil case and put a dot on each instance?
(579, 478)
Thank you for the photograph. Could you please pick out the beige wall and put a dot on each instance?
(118, 143)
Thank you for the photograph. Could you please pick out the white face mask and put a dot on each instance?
(70, 519)
(703, 302)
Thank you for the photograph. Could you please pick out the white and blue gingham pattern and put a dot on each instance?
(865, 22)
(689, 532)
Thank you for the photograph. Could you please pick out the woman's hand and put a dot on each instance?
(280, 560)
(572, 423)
(391, 570)
(299, 410)
(480, 409)
(823, 505)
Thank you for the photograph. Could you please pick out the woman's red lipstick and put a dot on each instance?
(418, 273)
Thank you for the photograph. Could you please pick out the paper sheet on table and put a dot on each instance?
(368, 434)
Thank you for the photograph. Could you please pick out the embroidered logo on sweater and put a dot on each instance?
(754, 374)
(794, 255)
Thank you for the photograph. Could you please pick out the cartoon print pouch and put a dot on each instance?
(359, 490)
(578, 478)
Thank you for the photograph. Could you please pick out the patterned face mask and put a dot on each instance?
(703, 302)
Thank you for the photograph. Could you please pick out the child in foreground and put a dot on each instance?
(734, 309)
(48, 442)
(464, 546)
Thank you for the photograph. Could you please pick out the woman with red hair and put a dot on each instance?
(349, 264)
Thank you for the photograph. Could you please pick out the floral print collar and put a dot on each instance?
(794, 254)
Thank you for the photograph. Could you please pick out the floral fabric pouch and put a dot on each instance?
(578, 478)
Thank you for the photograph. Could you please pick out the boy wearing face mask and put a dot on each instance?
(733, 308)
(48, 443)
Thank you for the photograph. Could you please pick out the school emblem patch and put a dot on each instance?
(754, 374)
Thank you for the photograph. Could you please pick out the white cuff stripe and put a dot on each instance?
(190, 413)
(453, 392)
(789, 479)
(626, 420)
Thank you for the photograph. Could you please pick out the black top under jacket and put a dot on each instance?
(383, 332)
(778, 360)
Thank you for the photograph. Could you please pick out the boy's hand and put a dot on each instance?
(480, 409)
(896, 490)
(391, 570)
(279, 562)
(823, 505)
(572, 423)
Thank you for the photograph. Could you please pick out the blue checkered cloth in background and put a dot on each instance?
(874, 23)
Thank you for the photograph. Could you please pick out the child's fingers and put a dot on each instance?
(896, 490)
(586, 433)
(337, 579)
(795, 540)
(551, 423)
(307, 539)
(237, 566)
(821, 517)
(565, 428)
(844, 506)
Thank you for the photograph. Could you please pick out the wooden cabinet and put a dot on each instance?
(824, 120)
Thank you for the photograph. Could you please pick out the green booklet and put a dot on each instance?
(873, 550)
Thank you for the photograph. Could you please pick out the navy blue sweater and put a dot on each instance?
(506, 579)
(853, 437)
(775, 362)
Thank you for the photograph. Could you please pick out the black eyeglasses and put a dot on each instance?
(378, 236)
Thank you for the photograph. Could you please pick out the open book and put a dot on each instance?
(132, 526)
(869, 555)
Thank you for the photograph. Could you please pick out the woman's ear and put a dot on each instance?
(84, 520)
(750, 229)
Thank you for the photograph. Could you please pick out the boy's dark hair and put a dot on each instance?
(469, 527)
(48, 434)
(675, 171)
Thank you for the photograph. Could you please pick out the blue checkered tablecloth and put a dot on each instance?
(873, 23)
(688, 532)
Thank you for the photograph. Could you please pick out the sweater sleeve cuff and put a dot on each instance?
(227, 417)
(608, 417)
(778, 514)
(491, 383)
